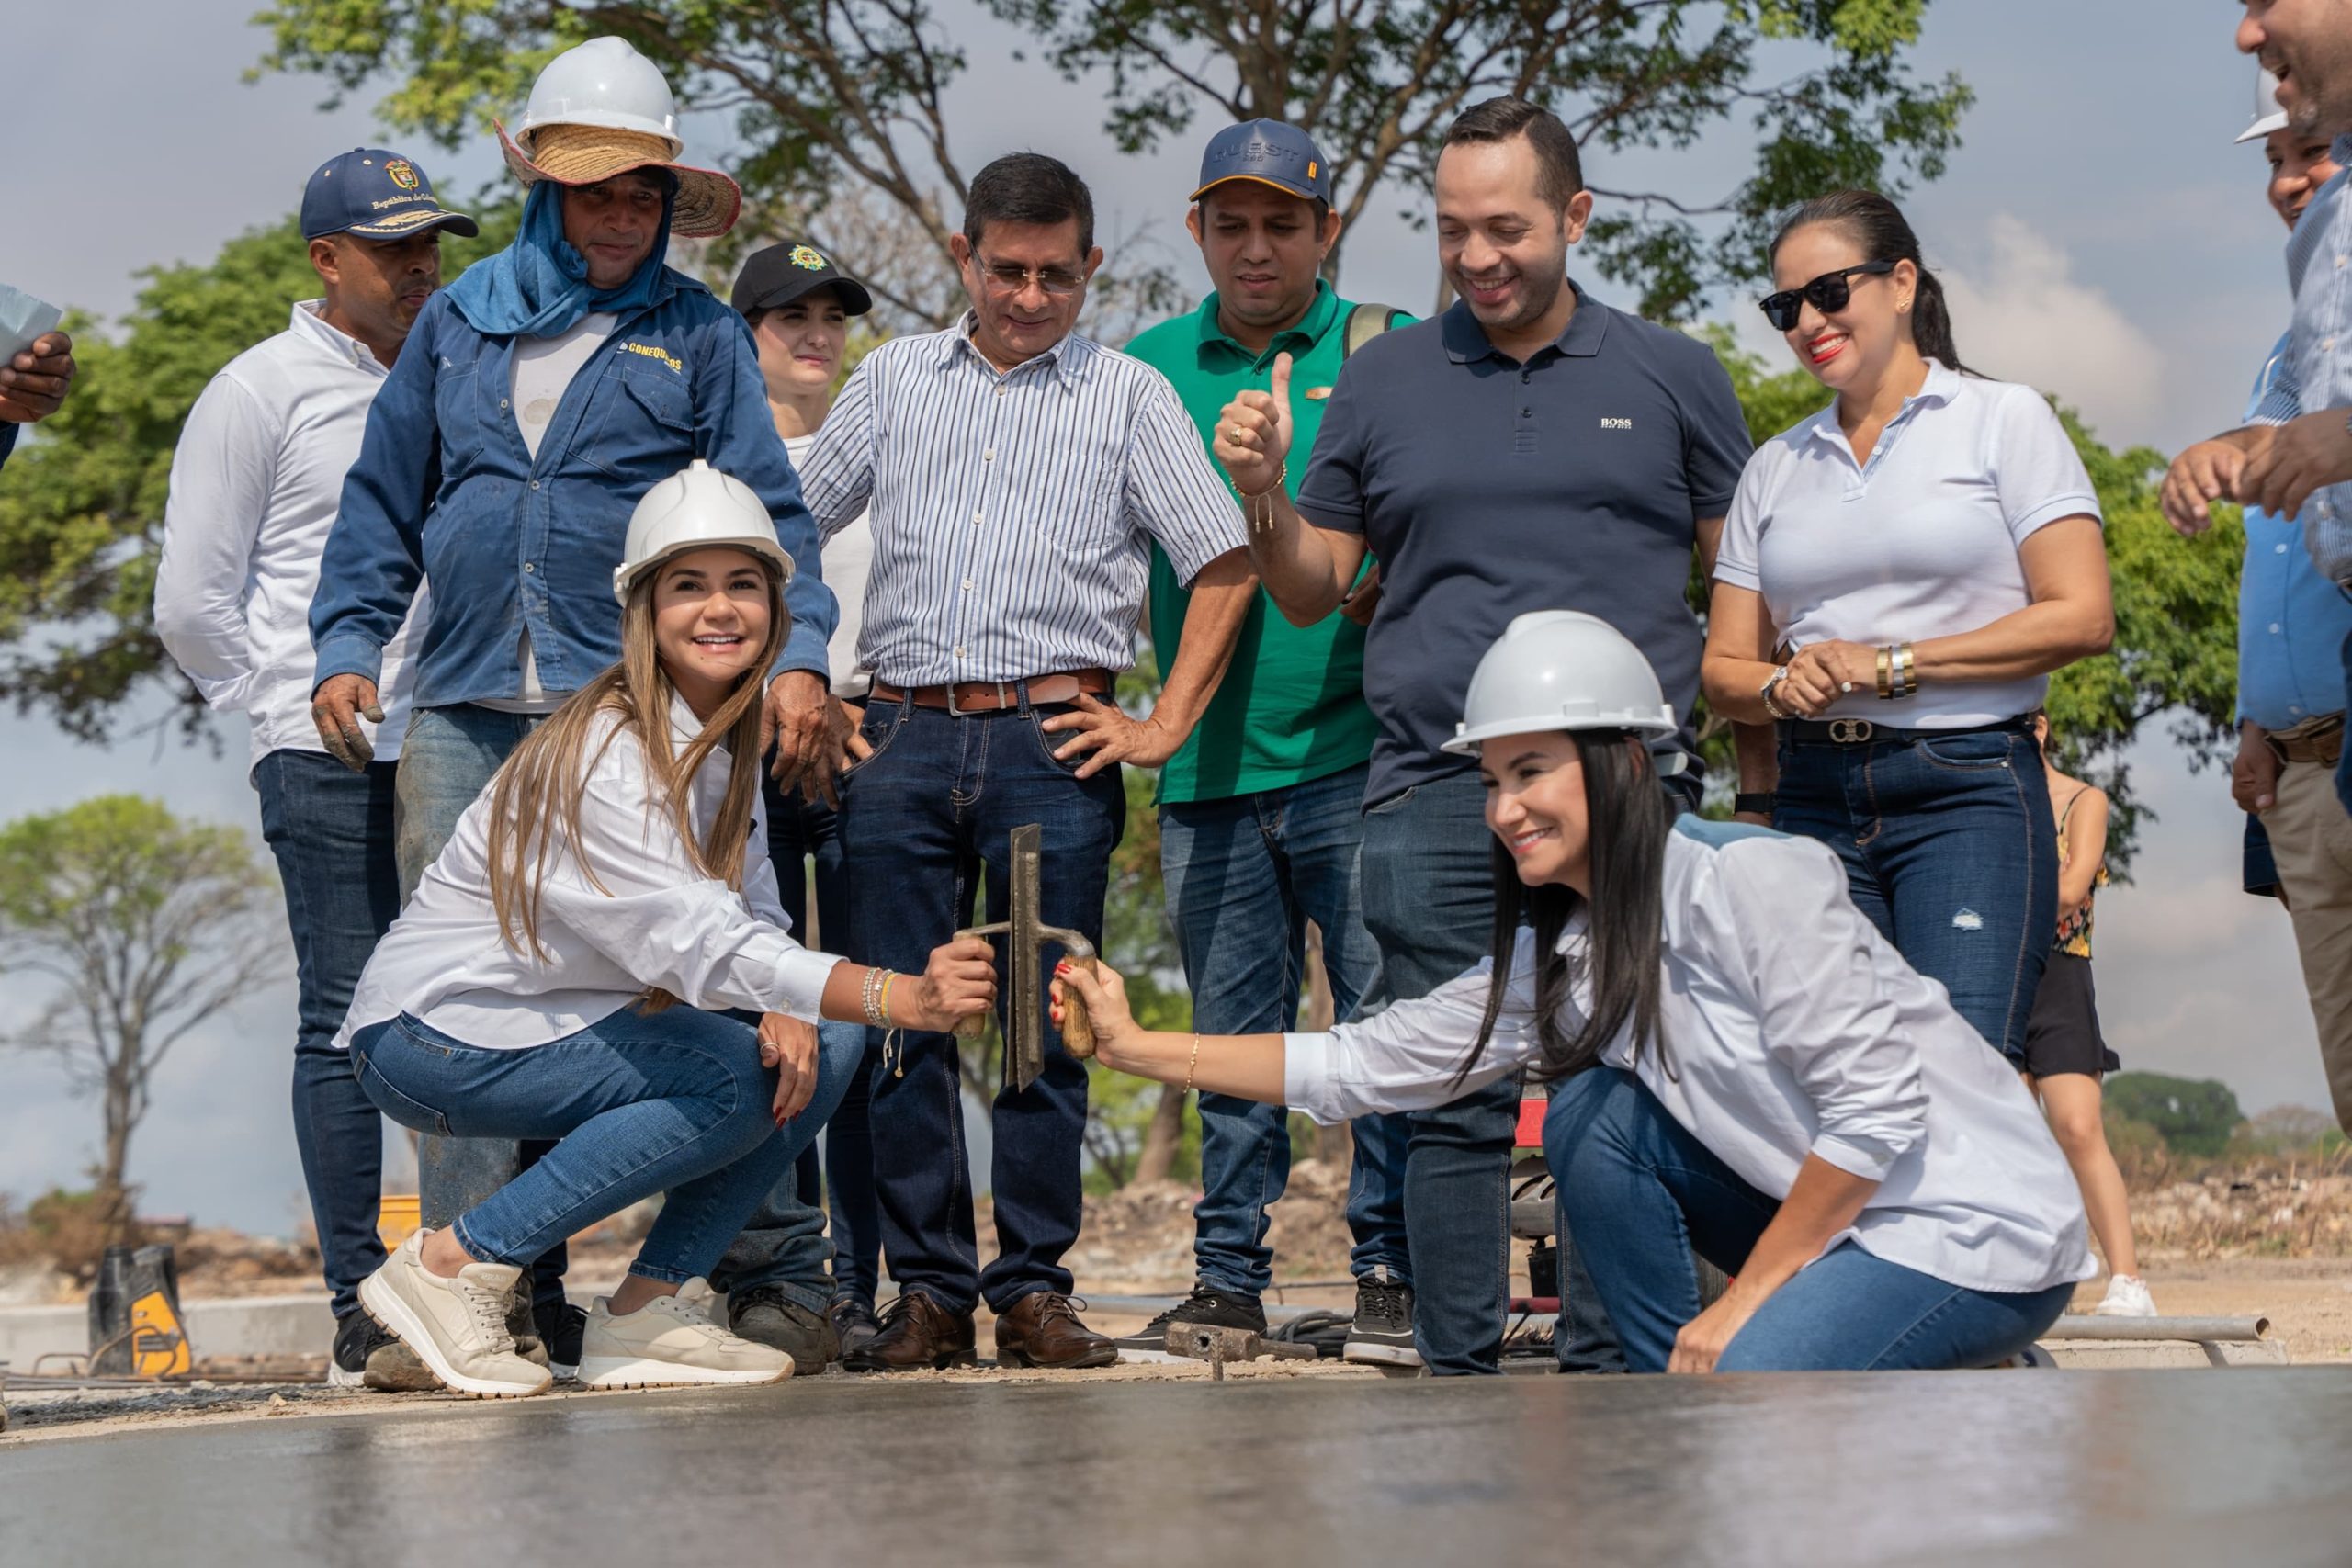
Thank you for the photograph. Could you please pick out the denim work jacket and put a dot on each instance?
(445, 490)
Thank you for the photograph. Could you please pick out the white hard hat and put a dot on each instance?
(1561, 670)
(696, 508)
(2268, 115)
(602, 83)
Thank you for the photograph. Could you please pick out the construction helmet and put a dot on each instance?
(2268, 115)
(603, 83)
(695, 509)
(1560, 670)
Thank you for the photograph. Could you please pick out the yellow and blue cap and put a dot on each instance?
(376, 194)
(1269, 152)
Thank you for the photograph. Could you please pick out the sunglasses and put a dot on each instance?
(1828, 293)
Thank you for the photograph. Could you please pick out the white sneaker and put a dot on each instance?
(672, 1339)
(458, 1327)
(2127, 1296)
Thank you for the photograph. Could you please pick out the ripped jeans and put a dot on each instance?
(1949, 849)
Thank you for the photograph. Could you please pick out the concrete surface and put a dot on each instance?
(2148, 1468)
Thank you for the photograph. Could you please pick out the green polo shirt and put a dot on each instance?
(1291, 708)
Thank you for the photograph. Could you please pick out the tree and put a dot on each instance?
(835, 97)
(146, 926)
(2176, 611)
(2195, 1116)
(81, 507)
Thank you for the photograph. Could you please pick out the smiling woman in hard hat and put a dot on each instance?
(1742, 1066)
(538, 397)
(599, 957)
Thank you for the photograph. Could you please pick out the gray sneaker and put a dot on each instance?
(1382, 1335)
(766, 1316)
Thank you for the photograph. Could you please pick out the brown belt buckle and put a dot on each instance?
(1002, 702)
(1850, 731)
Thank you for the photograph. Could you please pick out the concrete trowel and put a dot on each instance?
(1026, 936)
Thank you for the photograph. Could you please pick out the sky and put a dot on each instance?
(2100, 236)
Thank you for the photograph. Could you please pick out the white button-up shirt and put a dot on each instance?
(621, 912)
(1793, 1029)
(1013, 512)
(1921, 541)
(255, 484)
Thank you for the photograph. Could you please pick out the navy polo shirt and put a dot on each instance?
(1488, 488)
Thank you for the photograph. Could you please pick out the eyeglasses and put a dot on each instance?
(1004, 277)
(1828, 293)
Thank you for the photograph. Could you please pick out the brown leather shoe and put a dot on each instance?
(916, 1331)
(1042, 1329)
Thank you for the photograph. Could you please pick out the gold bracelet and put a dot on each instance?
(1906, 666)
(884, 1008)
(1249, 499)
(1191, 1068)
(1885, 671)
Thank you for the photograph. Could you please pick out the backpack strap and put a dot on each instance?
(1366, 323)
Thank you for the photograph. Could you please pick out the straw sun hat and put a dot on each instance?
(708, 202)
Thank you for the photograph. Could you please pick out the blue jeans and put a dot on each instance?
(1644, 1194)
(446, 758)
(1429, 901)
(1244, 875)
(676, 1102)
(934, 805)
(1951, 852)
(331, 832)
(785, 1244)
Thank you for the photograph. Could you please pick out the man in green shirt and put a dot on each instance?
(1260, 811)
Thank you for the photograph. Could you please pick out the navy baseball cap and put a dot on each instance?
(783, 272)
(377, 195)
(1271, 153)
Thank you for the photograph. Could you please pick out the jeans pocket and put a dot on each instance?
(878, 730)
(1393, 803)
(393, 1103)
(1047, 742)
(1971, 751)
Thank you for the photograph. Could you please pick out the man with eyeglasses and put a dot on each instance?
(1015, 476)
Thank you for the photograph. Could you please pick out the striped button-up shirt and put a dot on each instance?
(1013, 512)
(2317, 371)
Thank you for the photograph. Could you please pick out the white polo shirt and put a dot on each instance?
(256, 483)
(622, 911)
(1919, 542)
(1790, 1028)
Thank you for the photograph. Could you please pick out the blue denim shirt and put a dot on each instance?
(445, 490)
(2292, 622)
(2316, 371)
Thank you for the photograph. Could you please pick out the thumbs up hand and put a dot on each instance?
(1253, 433)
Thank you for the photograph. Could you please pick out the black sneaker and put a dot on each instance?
(766, 1316)
(854, 1322)
(1207, 1305)
(367, 1356)
(1383, 1332)
(557, 1327)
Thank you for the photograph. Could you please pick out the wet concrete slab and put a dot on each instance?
(2238, 1467)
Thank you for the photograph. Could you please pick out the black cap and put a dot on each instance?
(783, 272)
(376, 194)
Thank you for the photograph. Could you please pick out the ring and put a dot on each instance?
(1845, 686)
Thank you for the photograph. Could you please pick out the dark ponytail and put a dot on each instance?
(1878, 226)
(1627, 818)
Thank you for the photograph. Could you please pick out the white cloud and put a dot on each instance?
(2020, 314)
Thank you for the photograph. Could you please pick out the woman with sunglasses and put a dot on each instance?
(1899, 575)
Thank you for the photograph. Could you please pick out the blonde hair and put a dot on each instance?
(534, 796)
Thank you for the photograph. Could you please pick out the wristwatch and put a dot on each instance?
(1771, 703)
(1759, 803)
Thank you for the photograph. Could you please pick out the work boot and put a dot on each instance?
(672, 1339)
(457, 1327)
(854, 1324)
(1382, 1335)
(366, 1356)
(557, 1325)
(1042, 1329)
(915, 1332)
(1207, 1305)
(767, 1317)
(523, 1327)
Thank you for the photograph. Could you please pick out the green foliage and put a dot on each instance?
(844, 97)
(2176, 611)
(2194, 1116)
(123, 865)
(81, 507)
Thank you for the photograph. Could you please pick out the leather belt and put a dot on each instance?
(967, 697)
(1865, 731)
(2317, 740)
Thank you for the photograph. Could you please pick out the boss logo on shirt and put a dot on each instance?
(1607, 424)
(664, 354)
